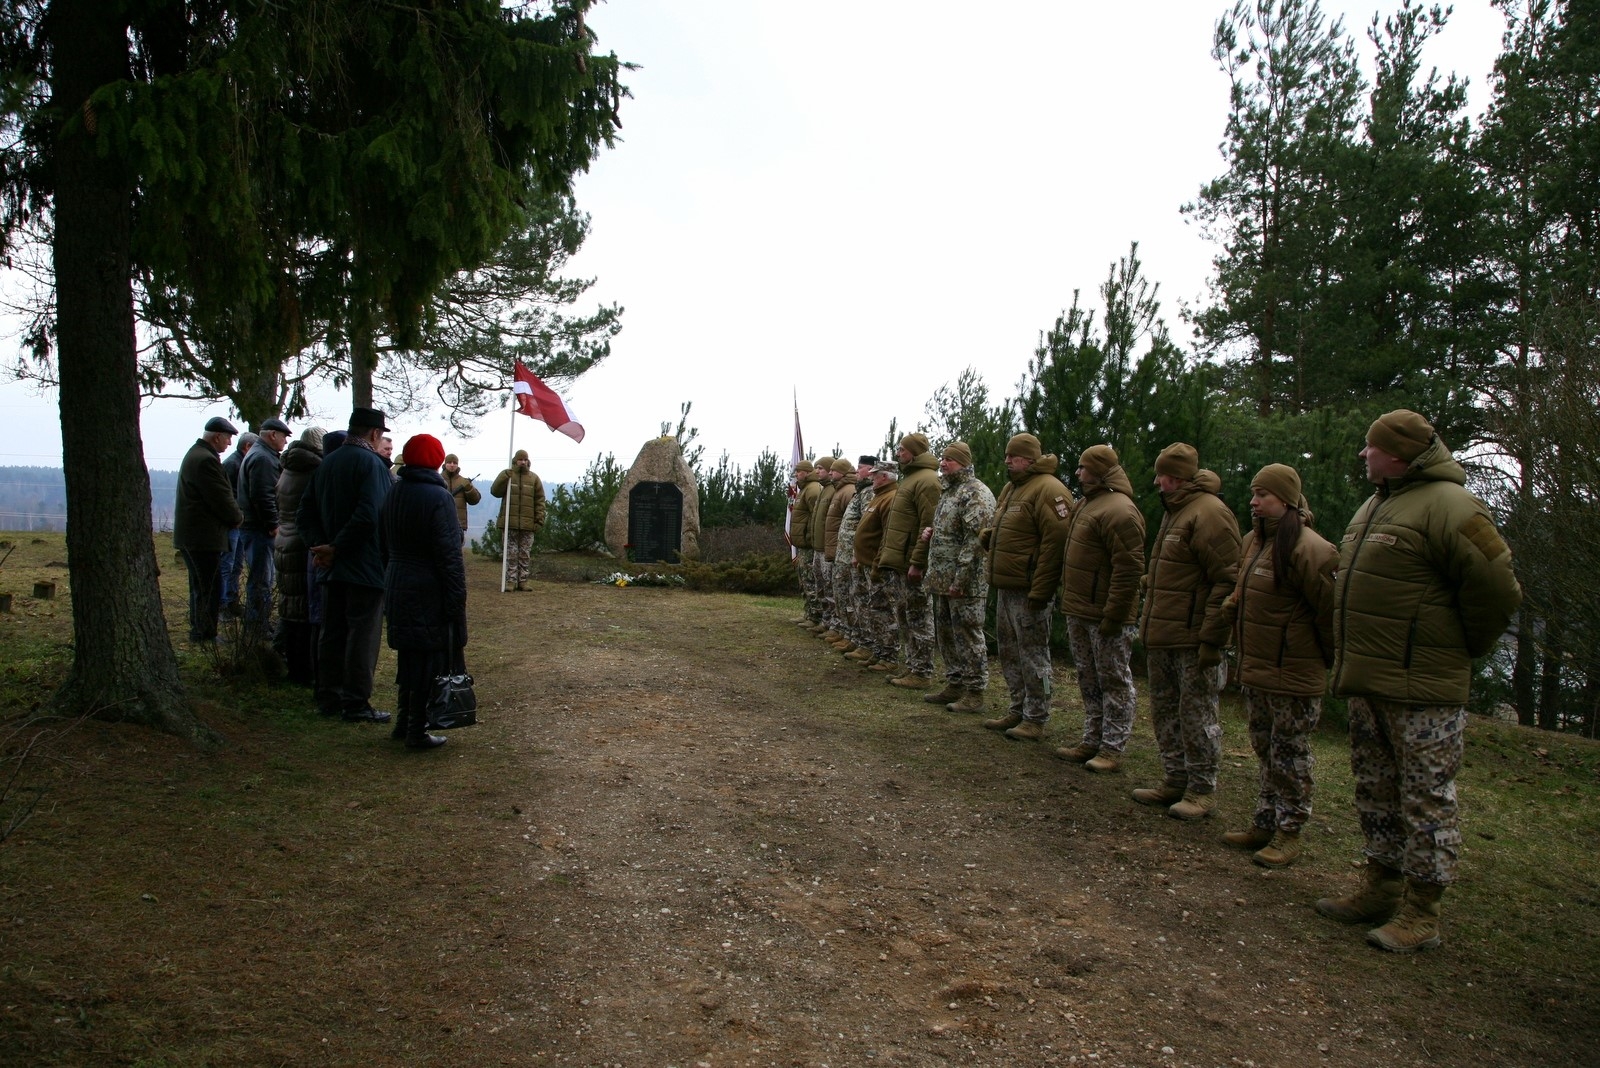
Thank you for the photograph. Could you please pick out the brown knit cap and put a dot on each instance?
(1280, 480)
(825, 464)
(804, 467)
(452, 458)
(959, 452)
(1401, 433)
(1026, 446)
(916, 443)
(1178, 460)
(1098, 460)
(843, 466)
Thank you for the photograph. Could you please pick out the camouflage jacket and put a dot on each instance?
(846, 548)
(955, 561)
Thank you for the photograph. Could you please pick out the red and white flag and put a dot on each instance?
(795, 456)
(538, 401)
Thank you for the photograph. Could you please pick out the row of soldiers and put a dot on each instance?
(899, 562)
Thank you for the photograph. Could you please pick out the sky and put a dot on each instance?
(838, 207)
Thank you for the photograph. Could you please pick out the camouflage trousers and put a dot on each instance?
(1404, 759)
(1023, 645)
(519, 546)
(1280, 733)
(1183, 706)
(878, 615)
(807, 576)
(913, 620)
(822, 578)
(1105, 679)
(958, 629)
(844, 609)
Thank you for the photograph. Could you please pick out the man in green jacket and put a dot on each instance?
(1424, 584)
(904, 556)
(522, 509)
(807, 490)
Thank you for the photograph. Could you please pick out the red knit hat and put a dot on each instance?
(423, 450)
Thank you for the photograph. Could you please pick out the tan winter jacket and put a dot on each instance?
(869, 532)
(800, 516)
(1284, 634)
(915, 500)
(1104, 556)
(526, 497)
(818, 536)
(465, 493)
(1192, 568)
(1030, 529)
(1424, 585)
(842, 495)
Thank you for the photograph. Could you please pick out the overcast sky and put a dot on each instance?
(852, 202)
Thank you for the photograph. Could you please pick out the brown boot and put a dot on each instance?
(1081, 753)
(1416, 926)
(859, 655)
(1104, 763)
(1193, 806)
(1161, 796)
(951, 692)
(1003, 723)
(1253, 839)
(1280, 852)
(830, 636)
(911, 681)
(1376, 902)
(845, 645)
(971, 701)
(888, 667)
(1027, 731)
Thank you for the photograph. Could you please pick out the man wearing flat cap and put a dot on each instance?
(1424, 584)
(257, 498)
(1100, 571)
(1024, 546)
(339, 521)
(204, 515)
(1192, 570)
(232, 567)
(958, 581)
(904, 557)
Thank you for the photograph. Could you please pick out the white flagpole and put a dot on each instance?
(505, 523)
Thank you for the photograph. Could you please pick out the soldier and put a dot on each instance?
(878, 614)
(904, 557)
(1424, 585)
(1283, 603)
(461, 489)
(1100, 572)
(849, 585)
(1024, 546)
(844, 491)
(957, 580)
(204, 515)
(827, 487)
(1192, 571)
(807, 490)
(521, 514)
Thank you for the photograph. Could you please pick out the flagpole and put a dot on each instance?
(505, 523)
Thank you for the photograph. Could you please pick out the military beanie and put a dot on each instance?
(1280, 480)
(1401, 433)
(843, 466)
(1098, 460)
(452, 458)
(1178, 461)
(958, 452)
(915, 443)
(803, 467)
(1026, 446)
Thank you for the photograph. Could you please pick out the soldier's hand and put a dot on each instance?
(1207, 656)
(1109, 627)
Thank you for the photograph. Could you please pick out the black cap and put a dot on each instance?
(367, 419)
(275, 424)
(218, 425)
(867, 460)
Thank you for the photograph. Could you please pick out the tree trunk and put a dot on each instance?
(123, 666)
(363, 359)
(1550, 678)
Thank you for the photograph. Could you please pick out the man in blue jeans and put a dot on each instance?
(257, 497)
(232, 565)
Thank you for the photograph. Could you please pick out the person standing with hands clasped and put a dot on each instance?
(1424, 585)
(1281, 614)
(425, 584)
(522, 500)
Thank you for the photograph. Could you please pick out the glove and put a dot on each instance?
(1109, 627)
(1037, 606)
(1207, 656)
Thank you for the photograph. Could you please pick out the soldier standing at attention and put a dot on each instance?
(850, 586)
(958, 581)
(807, 490)
(826, 488)
(521, 514)
(1424, 585)
(1192, 570)
(1100, 571)
(1024, 546)
(878, 615)
(844, 491)
(904, 556)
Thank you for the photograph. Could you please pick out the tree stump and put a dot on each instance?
(44, 591)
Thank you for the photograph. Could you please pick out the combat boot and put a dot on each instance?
(971, 701)
(845, 645)
(1104, 764)
(1078, 754)
(817, 628)
(1253, 839)
(888, 667)
(1416, 926)
(1376, 902)
(1280, 852)
(951, 692)
(1162, 795)
(1027, 731)
(911, 681)
(859, 655)
(830, 635)
(1003, 723)
(1193, 806)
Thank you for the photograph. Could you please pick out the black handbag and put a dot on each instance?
(451, 702)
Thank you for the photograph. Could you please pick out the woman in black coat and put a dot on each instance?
(425, 584)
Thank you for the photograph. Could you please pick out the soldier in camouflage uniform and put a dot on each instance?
(904, 557)
(877, 622)
(819, 577)
(806, 492)
(1424, 584)
(846, 576)
(958, 582)
(844, 490)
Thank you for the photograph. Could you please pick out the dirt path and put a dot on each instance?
(687, 834)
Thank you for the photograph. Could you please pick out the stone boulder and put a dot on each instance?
(662, 489)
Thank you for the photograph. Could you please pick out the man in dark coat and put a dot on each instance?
(204, 517)
(257, 497)
(232, 567)
(339, 522)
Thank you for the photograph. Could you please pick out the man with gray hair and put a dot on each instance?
(957, 580)
(232, 567)
(257, 498)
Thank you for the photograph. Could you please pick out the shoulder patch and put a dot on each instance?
(1062, 508)
(1479, 530)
